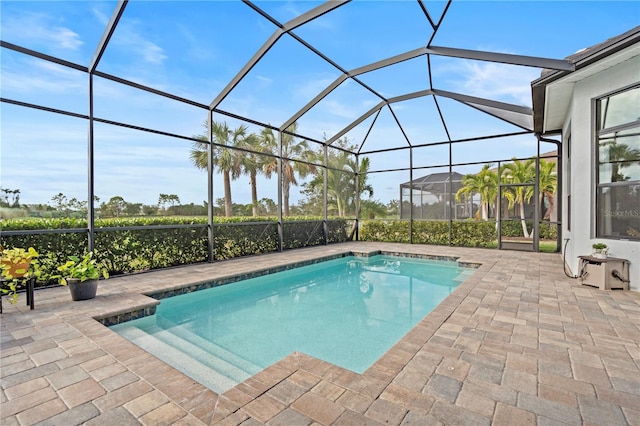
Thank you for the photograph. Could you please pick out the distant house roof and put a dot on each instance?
(433, 181)
(582, 60)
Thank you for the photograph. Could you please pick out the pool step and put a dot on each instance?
(217, 358)
(213, 372)
(237, 362)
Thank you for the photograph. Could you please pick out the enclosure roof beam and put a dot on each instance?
(437, 27)
(426, 13)
(514, 114)
(418, 94)
(375, 108)
(355, 122)
(355, 72)
(438, 51)
(468, 99)
(474, 102)
(447, 142)
(373, 122)
(43, 56)
(421, 51)
(330, 88)
(466, 54)
(314, 13)
(505, 58)
(149, 89)
(108, 32)
(292, 24)
(246, 68)
(395, 117)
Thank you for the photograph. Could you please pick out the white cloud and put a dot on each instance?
(151, 52)
(498, 81)
(38, 158)
(264, 80)
(65, 38)
(128, 37)
(199, 50)
(491, 80)
(35, 76)
(39, 152)
(101, 17)
(311, 87)
(38, 29)
(339, 109)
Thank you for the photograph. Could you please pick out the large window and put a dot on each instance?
(618, 156)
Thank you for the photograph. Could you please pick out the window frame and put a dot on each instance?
(600, 134)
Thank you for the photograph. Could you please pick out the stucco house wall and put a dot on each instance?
(578, 131)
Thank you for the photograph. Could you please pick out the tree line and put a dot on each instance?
(238, 152)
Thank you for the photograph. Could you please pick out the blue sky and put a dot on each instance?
(193, 49)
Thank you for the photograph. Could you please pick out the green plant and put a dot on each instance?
(82, 268)
(18, 265)
(599, 246)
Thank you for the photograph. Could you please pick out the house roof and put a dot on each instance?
(551, 93)
(432, 180)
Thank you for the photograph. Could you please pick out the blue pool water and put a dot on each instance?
(347, 311)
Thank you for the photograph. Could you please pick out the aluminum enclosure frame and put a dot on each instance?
(521, 117)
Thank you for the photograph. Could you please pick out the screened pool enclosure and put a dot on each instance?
(166, 133)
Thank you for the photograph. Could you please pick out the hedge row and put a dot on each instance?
(132, 250)
(513, 228)
(127, 251)
(463, 233)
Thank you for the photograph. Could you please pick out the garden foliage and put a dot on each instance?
(162, 242)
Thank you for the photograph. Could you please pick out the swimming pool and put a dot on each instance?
(347, 311)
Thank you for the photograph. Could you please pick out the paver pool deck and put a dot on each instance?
(518, 343)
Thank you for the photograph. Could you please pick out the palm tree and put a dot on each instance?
(485, 183)
(547, 184)
(619, 156)
(341, 182)
(363, 185)
(252, 164)
(228, 161)
(291, 148)
(371, 209)
(520, 172)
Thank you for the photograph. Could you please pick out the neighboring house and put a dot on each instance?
(596, 109)
(433, 195)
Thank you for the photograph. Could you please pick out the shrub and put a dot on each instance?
(396, 231)
(463, 233)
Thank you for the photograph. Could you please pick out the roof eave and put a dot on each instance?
(581, 60)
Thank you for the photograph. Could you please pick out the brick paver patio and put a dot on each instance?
(518, 343)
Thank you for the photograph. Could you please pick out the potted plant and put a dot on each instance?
(600, 250)
(18, 266)
(81, 274)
